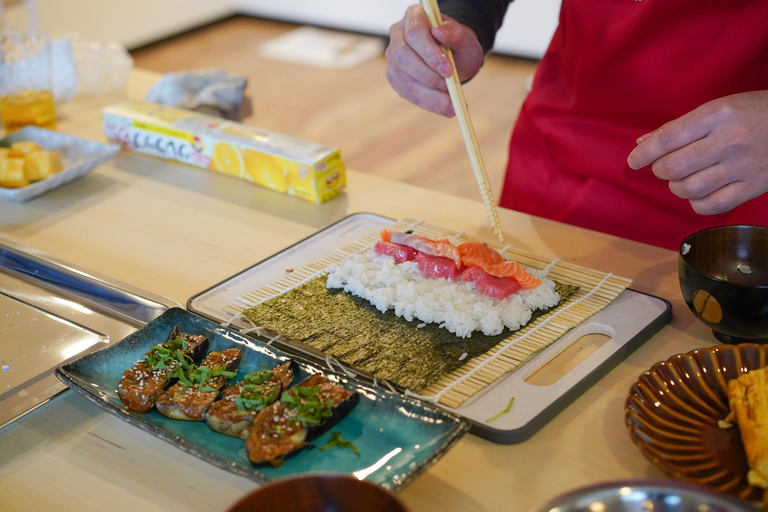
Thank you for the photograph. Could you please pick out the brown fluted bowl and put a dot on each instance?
(723, 275)
(672, 413)
(319, 493)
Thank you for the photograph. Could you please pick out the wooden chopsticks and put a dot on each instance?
(432, 10)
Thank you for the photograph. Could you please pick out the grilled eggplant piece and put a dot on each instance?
(189, 398)
(151, 375)
(233, 414)
(303, 413)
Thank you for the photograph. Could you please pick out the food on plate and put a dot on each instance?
(748, 399)
(24, 148)
(42, 164)
(25, 162)
(12, 173)
(189, 398)
(337, 440)
(239, 404)
(463, 288)
(149, 377)
(304, 412)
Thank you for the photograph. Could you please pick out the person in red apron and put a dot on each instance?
(647, 119)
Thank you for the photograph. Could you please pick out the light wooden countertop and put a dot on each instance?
(176, 230)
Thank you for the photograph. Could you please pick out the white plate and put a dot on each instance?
(78, 157)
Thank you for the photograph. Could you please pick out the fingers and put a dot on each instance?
(412, 58)
(701, 184)
(402, 60)
(671, 137)
(724, 199)
(685, 161)
(463, 42)
(433, 100)
(716, 156)
(418, 36)
(417, 64)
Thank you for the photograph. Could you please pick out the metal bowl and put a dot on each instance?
(723, 275)
(644, 496)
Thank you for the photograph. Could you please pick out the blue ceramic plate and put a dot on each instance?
(397, 437)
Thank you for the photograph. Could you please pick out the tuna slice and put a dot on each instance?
(490, 286)
(435, 266)
(401, 253)
(442, 248)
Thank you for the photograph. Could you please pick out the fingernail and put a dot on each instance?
(444, 69)
(631, 161)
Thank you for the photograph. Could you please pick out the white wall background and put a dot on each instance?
(130, 22)
(527, 29)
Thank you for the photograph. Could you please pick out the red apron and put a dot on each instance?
(615, 70)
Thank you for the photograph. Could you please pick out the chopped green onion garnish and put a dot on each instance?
(259, 377)
(337, 440)
(502, 413)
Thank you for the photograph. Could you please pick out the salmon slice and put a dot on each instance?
(442, 248)
(483, 257)
(475, 250)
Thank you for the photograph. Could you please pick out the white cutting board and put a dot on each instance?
(630, 320)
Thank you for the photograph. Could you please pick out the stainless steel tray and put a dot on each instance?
(51, 313)
(629, 321)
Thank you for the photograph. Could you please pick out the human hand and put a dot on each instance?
(417, 66)
(716, 156)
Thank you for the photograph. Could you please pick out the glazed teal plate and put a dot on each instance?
(398, 437)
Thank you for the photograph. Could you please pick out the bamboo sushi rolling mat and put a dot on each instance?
(596, 291)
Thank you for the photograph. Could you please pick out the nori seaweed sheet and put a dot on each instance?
(357, 334)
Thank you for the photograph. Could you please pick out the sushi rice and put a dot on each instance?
(453, 304)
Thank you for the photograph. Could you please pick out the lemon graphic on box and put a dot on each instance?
(299, 176)
(228, 160)
(265, 171)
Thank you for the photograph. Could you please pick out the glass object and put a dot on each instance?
(25, 80)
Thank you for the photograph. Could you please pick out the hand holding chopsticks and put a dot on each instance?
(432, 11)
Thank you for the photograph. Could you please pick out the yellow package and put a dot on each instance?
(275, 161)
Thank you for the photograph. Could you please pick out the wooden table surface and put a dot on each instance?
(175, 230)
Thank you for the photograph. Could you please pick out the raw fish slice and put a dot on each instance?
(401, 253)
(490, 286)
(493, 263)
(476, 250)
(436, 266)
(442, 248)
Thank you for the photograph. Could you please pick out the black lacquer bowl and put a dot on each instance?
(723, 275)
(320, 493)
